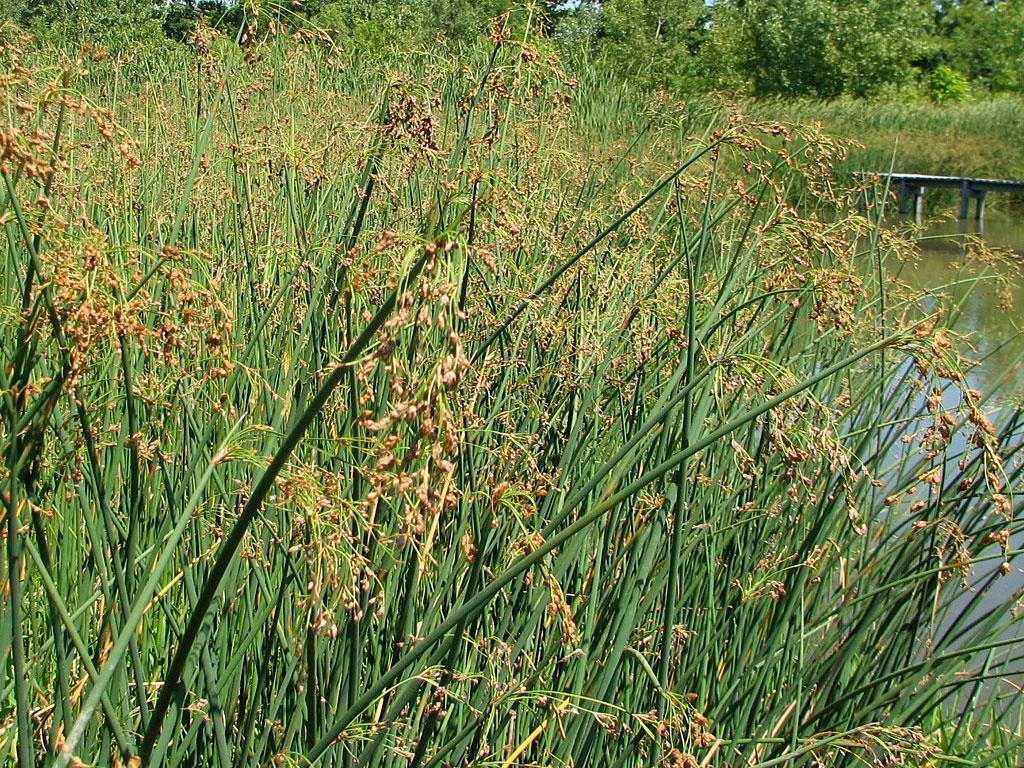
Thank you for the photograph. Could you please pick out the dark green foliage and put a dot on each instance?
(654, 42)
(823, 48)
(984, 39)
(812, 48)
(367, 26)
(803, 48)
(792, 47)
(375, 26)
(180, 18)
(112, 24)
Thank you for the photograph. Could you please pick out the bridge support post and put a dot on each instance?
(919, 205)
(967, 191)
(904, 198)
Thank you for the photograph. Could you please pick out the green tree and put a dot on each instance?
(403, 22)
(826, 48)
(984, 39)
(653, 41)
(113, 24)
(369, 26)
(879, 42)
(180, 17)
(724, 58)
(792, 48)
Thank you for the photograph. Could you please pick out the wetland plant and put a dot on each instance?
(503, 420)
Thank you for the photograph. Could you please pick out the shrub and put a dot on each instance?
(947, 86)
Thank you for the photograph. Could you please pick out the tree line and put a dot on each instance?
(804, 48)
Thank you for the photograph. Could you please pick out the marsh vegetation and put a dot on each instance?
(466, 412)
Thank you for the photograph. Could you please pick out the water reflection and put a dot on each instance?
(990, 297)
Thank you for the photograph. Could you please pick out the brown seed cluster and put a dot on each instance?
(936, 354)
(411, 422)
(410, 121)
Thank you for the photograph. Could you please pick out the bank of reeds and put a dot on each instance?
(461, 415)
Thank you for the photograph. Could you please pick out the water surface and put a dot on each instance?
(990, 301)
(990, 296)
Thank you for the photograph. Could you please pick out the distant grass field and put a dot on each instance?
(977, 138)
(463, 413)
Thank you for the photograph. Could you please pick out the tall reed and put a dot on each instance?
(499, 420)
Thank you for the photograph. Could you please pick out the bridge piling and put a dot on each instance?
(908, 193)
(968, 191)
(904, 198)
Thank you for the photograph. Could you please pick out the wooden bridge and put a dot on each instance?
(911, 188)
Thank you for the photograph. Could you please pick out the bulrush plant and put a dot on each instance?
(461, 428)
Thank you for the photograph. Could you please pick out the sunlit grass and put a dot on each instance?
(469, 415)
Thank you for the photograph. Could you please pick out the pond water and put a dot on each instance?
(990, 297)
